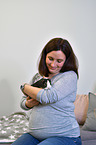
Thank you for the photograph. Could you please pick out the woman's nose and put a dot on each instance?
(53, 63)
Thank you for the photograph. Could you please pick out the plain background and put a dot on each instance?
(26, 26)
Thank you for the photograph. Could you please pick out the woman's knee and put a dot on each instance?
(26, 139)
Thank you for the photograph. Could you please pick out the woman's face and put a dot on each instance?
(55, 61)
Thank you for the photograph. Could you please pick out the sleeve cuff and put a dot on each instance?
(24, 106)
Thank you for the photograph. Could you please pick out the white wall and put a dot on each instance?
(27, 25)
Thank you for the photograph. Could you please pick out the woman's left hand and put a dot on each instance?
(31, 102)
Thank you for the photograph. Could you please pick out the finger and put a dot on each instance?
(28, 98)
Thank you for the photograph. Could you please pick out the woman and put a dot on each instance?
(52, 120)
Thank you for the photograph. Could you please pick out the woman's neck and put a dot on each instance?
(51, 75)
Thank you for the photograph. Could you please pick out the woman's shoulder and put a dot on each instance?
(69, 74)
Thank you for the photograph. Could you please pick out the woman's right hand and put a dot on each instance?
(31, 102)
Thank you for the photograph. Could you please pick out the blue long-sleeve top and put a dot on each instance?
(54, 116)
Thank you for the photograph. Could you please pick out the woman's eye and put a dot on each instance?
(50, 58)
(59, 61)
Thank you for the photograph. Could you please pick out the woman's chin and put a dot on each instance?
(53, 72)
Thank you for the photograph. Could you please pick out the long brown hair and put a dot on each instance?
(56, 44)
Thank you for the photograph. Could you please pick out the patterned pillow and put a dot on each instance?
(81, 107)
(13, 126)
(90, 123)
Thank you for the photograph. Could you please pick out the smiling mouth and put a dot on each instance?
(52, 68)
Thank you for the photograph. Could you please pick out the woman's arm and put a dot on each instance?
(62, 85)
(30, 103)
(27, 103)
(31, 91)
